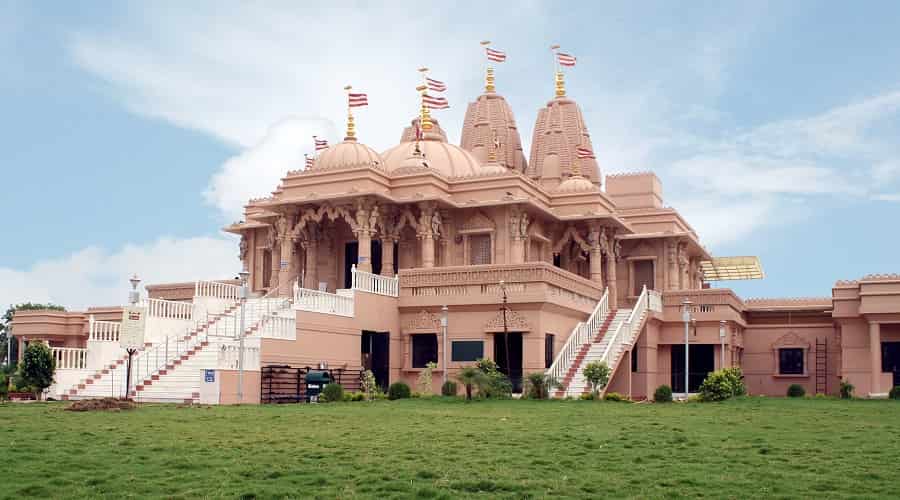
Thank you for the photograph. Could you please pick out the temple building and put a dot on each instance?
(432, 252)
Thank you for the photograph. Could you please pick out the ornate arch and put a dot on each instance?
(571, 234)
(478, 222)
(333, 213)
(406, 219)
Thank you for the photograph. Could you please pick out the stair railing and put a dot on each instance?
(374, 283)
(581, 334)
(624, 332)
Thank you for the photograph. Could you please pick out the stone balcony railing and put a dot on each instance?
(712, 304)
(529, 282)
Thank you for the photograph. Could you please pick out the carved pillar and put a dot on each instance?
(427, 250)
(518, 232)
(312, 258)
(611, 262)
(683, 266)
(427, 234)
(364, 256)
(672, 276)
(875, 356)
(387, 257)
(284, 268)
(594, 238)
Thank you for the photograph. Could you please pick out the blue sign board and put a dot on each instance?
(209, 375)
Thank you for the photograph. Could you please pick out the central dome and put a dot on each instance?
(435, 153)
(348, 154)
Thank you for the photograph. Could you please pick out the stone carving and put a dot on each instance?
(571, 234)
(424, 321)
(479, 221)
(282, 225)
(271, 238)
(436, 223)
(515, 322)
(791, 339)
(244, 248)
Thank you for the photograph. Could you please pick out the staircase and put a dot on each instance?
(604, 337)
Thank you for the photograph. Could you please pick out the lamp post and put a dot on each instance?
(505, 330)
(722, 324)
(134, 296)
(686, 317)
(240, 392)
(446, 357)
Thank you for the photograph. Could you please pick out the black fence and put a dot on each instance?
(287, 384)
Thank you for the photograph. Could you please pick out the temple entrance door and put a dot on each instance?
(513, 367)
(702, 361)
(351, 256)
(890, 360)
(375, 352)
(267, 269)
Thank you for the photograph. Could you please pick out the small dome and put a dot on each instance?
(435, 154)
(348, 154)
(575, 184)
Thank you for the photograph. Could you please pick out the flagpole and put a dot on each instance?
(489, 70)
(425, 117)
(351, 128)
(560, 82)
(315, 147)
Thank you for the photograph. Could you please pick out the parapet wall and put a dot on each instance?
(635, 190)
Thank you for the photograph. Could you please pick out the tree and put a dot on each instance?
(37, 367)
(6, 325)
(597, 374)
(469, 377)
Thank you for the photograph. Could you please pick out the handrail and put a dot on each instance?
(323, 302)
(374, 283)
(170, 309)
(216, 290)
(69, 358)
(640, 307)
(103, 331)
(581, 334)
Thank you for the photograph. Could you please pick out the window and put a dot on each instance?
(425, 349)
(479, 249)
(466, 350)
(643, 275)
(548, 350)
(790, 361)
(634, 359)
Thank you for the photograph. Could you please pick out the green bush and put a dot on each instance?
(332, 393)
(449, 388)
(846, 389)
(895, 392)
(494, 384)
(4, 385)
(398, 390)
(614, 396)
(796, 391)
(538, 385)
(358, 396)
(663, 394)
(597, 374)
(587, 396)
(722, 385)
(37, 367)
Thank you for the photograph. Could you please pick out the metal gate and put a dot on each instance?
(287, 384)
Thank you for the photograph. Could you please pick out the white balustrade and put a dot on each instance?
(581, 334)
(278, 327)
(627, 330)
(656, 303)
(103, 331)
(323, 302)
(170, 309)
(70, 358)
(374, 283)
(217, 290)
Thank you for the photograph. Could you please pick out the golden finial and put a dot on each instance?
(560, 81)
(425, 114)
(489, 76)
(351, 128)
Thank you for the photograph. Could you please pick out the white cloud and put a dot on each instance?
(94, 276)
(257, 171)
(720, 220)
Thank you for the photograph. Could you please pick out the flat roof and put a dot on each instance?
(732, 268)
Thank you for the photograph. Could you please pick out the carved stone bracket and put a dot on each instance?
(424, 322)
(515, 322)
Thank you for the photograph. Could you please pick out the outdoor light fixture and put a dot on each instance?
(134, 296)
(243, 275)
(722, 324)
(687, 318)
(446, 360)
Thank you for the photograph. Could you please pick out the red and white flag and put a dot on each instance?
(309, 161)
(495, 55)
(565, 59)
(583, 153)
(435, 102)
(357, 100)
(435, 85)
(320, 143)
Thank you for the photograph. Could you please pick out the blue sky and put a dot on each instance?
(133, 131)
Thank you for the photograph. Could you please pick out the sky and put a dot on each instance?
(133, 131)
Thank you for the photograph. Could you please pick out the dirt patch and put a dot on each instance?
(105, 404)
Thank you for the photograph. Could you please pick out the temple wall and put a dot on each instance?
(760, 357)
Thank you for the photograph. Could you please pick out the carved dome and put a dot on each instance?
(558, 130)
(348, 154)
(491, 114)
(435, 154)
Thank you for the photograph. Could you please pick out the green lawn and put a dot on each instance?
(772, 448)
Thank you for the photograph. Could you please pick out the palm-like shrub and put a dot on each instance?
(847, 389)
(597, 374)
(471, 377)
(539, 384)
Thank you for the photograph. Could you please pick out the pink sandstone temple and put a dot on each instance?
(432, 252)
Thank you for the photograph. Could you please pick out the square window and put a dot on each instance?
(548, 350)
(790, 361)
(425, 349)
(479, 249)
(466, 350)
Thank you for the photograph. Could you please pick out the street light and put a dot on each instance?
(686, 317)
(243, 277)
(134, 296)
(505, 331)
(722, 324)
(445, 359)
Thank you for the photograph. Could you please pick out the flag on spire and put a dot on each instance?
(357, 100)
(565, 59)
(435, 85)
(320, 144)
(435, 102)
(584, 153)
(495, 55)
(309, 161)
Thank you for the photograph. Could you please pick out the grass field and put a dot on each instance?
(772, 448)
